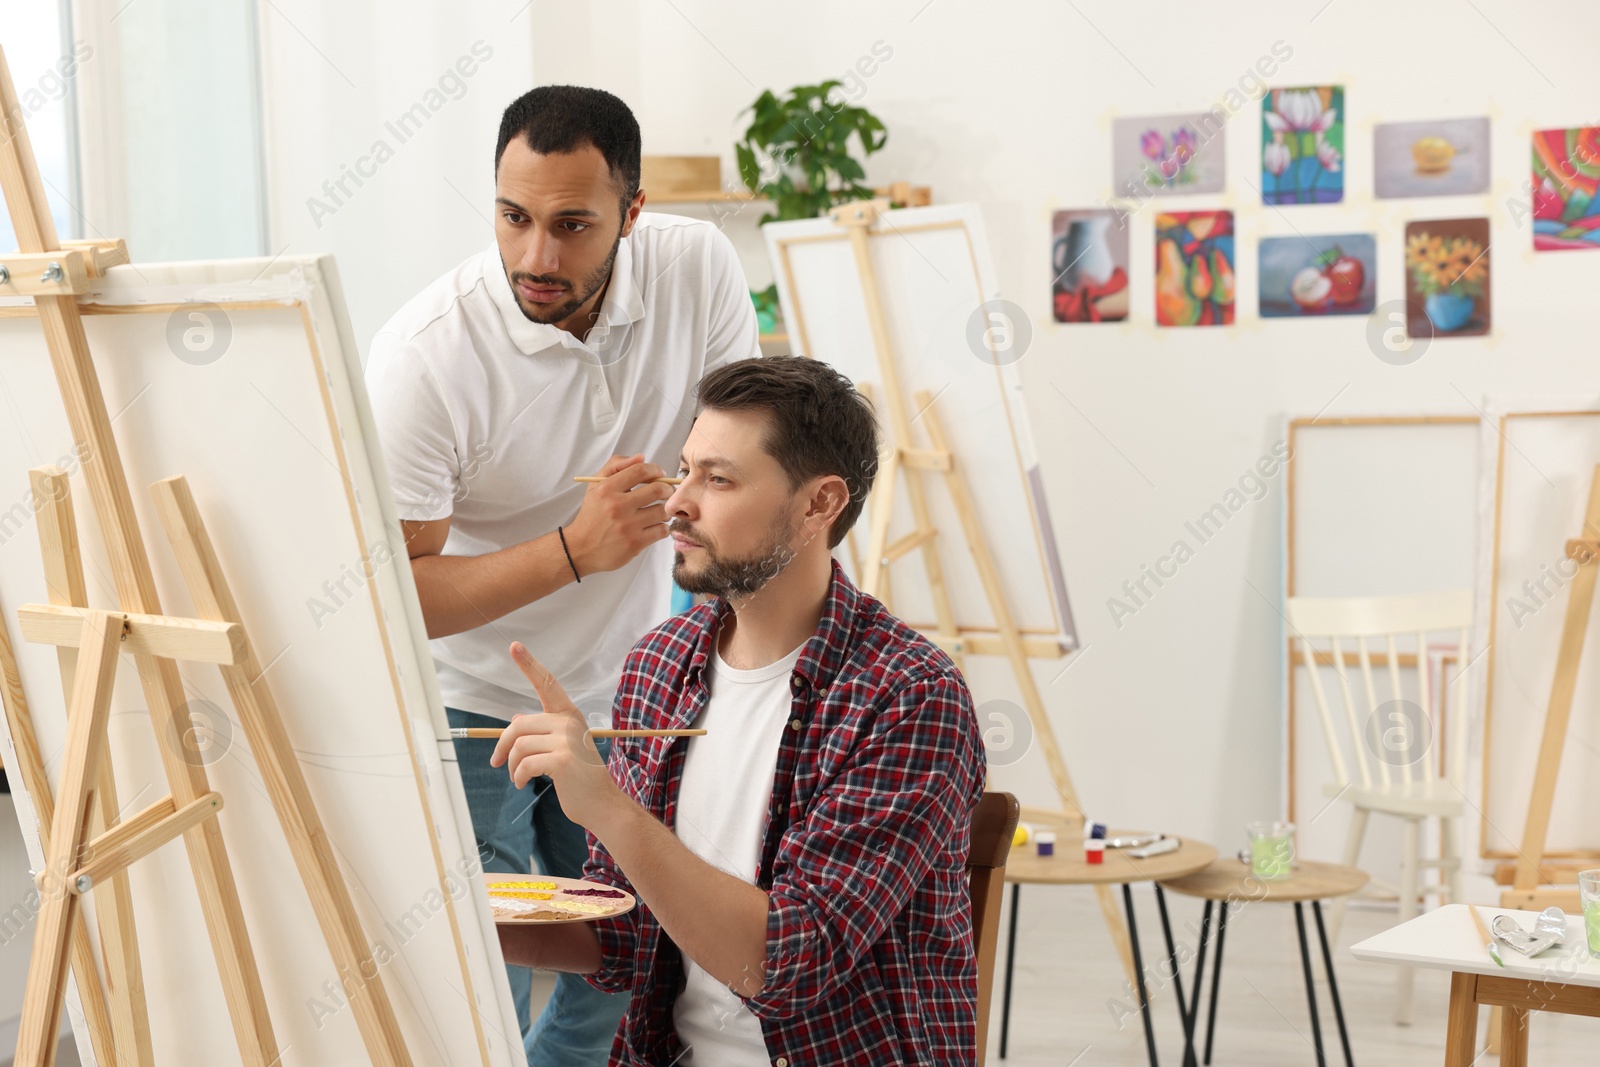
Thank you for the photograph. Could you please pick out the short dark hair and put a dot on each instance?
(564, 118)
(819, 423)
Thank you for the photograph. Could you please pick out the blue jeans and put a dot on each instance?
(511, 824)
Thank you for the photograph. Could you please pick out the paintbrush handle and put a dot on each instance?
(1483, 931)
(1488, 938)
(494, 732)
(664, 481)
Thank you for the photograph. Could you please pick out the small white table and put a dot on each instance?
(1564, 978)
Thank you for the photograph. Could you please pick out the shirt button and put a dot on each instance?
(794, 724)
(780, 1062)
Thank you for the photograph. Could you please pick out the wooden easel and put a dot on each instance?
(1527, 890)
(857, 218)
(86, 848)
(1532, 881)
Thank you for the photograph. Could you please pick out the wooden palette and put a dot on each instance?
(518, 899)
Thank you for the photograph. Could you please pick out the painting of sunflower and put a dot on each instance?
(1447, 278)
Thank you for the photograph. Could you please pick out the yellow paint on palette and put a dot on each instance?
(496, 886)
(521, 894)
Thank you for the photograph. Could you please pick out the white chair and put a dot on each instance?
(1392, 730)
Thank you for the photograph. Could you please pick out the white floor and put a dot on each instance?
(1067, 982)
(1067, 988)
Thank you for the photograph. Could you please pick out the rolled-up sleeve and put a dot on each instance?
(868, 841)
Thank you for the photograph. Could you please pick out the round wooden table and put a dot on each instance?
(1229, 882)
(1068, 867)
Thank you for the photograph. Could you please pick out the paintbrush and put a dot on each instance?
(494, 732)
(663, 481)
(1483, 932)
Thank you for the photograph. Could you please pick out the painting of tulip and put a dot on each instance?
(1444, 157)
(1318, 275)
(1566, 170)
(1089, 266)
(1162, 155)
(1302, 145)
(1194, 268)
(1447, 278)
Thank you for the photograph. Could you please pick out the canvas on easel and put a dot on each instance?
(958, 538)
(200, 560)
(1543, 662)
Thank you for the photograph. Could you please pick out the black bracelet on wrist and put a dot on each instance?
(568, 551)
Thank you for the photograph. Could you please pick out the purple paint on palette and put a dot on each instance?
(594, 893)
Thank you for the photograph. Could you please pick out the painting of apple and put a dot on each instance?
(1318, 275)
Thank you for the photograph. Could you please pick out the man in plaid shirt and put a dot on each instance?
(800, 868)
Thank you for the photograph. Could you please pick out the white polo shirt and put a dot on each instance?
(486, 416)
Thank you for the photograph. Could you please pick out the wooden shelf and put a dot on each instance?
(700, 196)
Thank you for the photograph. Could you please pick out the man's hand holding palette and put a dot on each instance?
(524, 898)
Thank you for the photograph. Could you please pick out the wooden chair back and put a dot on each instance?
(1385, 745)
(994, 822)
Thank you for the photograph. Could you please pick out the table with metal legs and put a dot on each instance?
(1067, 867)
(1228, 885)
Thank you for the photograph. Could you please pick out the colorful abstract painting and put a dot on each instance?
(1302, 145)
(1333, 274)
(1447, 278)
(1194, 268)
(1163, 155)
(1566, 170)
(1089, 266)
(1444, 157)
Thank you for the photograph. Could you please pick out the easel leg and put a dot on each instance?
(90, 707)
(29, 768)
(119, 942)
(1558, 714)
(1032, 700)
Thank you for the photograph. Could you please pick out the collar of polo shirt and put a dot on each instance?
(624, 303)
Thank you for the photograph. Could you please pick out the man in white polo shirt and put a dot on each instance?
(570, 347)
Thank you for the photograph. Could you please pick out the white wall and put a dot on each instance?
(1172, 720)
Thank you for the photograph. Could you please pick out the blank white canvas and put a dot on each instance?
(1545, 463)
(934, 279)
(278, 446)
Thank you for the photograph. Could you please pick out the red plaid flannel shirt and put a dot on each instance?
(870, 949)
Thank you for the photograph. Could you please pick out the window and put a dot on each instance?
(44, 63)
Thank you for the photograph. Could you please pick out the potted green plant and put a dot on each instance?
(796, 153)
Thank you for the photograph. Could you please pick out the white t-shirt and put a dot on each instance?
(723, 799)
(486, 416)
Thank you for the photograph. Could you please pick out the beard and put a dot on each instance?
(733, 577)
(550, 315)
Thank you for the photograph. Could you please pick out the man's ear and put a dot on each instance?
(828, 499)
(631, 215)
